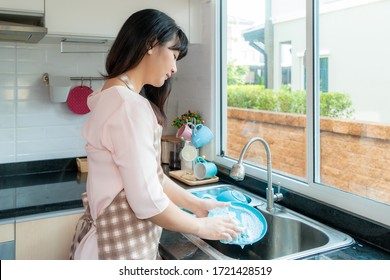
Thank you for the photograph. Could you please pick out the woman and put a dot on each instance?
(129, 197)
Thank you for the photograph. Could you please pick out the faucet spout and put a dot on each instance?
(238, 172)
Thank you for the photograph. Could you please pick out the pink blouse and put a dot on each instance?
(123, 149)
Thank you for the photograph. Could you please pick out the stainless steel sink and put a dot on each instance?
(289, 236)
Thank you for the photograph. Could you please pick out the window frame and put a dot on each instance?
(363, 207)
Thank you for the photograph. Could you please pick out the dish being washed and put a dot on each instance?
(252, 222)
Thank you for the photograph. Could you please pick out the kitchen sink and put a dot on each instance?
(290, 235)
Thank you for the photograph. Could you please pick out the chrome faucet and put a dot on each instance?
(238, 173)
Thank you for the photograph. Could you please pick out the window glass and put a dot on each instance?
(355, 116)
(323, 75)
(265, 88)
(265, 41)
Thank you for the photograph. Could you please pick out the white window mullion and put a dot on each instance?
(221, 85)
(312, 93)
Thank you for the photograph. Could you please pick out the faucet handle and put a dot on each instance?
(278, 195)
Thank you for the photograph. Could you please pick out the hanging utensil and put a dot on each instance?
(77, 98)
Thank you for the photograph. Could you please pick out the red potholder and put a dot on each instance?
(77, 99)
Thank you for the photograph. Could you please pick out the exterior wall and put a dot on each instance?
(355, 156)
(357, 64)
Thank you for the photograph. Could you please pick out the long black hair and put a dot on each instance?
(141, 31)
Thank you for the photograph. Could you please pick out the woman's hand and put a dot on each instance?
(205, 205)
(218, 228)
(213, 228)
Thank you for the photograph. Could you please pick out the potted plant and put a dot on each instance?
(188, 117)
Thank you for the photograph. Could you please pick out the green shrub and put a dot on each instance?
(335, 105)
(236, 74)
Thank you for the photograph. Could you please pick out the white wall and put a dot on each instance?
(359, 58)
(34, 128)
(194, 87)
(356, 42)
(31, 126)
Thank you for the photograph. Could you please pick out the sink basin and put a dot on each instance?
(289, 236)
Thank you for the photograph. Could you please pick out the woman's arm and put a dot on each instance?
(185, 199)
(215, 228)
(175, 219)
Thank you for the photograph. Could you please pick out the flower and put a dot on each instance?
(187, 117)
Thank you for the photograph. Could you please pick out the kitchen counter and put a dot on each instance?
(38, 193)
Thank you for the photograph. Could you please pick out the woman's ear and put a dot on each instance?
(150, 45)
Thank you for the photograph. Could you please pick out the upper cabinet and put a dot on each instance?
(103, 19)
(23, 6)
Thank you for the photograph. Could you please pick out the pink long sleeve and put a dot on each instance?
(122, 135)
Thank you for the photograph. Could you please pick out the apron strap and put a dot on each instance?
(83, 226)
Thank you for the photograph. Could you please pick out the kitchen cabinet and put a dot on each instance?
(7, 240)
(86, 18)
(22, 6)
(6, 232)
(195, 21)
(46, 237)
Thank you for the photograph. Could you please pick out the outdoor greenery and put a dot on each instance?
(236, 74)
(332, 104)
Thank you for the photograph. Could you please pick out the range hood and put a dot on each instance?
(22, 28)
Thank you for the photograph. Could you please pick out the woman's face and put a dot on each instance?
(162, 63)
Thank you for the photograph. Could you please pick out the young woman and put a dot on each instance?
(129, 199)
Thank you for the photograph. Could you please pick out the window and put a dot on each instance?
(285, 62)
(323, 74)
(320, 101)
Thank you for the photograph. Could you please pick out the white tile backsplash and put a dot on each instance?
(7, 93)
(7, 151)
(31, 126)
(7, 121)
(7, 108)
(7, 135)
(34, 128)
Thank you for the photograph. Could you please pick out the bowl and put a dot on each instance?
(232, 195)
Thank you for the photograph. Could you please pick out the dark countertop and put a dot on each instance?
(38, 193)
(29, 194)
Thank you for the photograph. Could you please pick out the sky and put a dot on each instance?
(247, 9)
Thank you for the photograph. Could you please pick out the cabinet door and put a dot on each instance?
(45, 239)
(30, 6)
(103, 19)
(84, 18)
(6, 232)
(195, 21)
(7, 244)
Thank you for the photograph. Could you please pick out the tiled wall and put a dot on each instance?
(31, 126)
(34, 128)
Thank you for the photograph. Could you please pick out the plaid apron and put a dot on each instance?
(120, 234)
